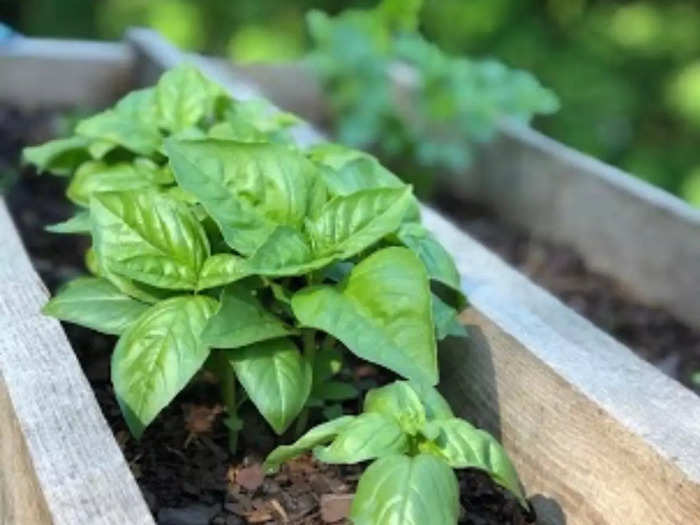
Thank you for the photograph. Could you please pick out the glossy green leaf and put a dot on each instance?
(276, 378)
(95, 303)
(98, 177)
(248, 189)
(150, 238)
(158, 355)
(383, 313)
(222, 269)
(98, 149)
(318, 435)
(347, 225)
(335, 391)
(402, 490)
(464, 446)
(446, 320)
(140, 106)
(400, 401)
(367, 436)
(286, 252)
(154, 172)
(436, 406)
(439, 263)
(184, 97)
(241, 321)
(79, 223)
(349, 170)
(137, 136)
(60, 156)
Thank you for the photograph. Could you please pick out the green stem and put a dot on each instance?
(227, 384)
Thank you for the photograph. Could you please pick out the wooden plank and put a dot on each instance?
(21, 500)
(645, 238)
(38, 72)
(61, 443)
(599, 436)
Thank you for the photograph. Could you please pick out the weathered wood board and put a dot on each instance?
(598, 435)
(60, 462)
(91, 73)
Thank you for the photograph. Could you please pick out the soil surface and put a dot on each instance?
(182, 463)
(652, 333)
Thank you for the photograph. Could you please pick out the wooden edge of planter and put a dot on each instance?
(598, 435)
(60, 462)
(95, 73)
(644, 237)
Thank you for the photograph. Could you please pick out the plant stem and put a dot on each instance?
(227, 384)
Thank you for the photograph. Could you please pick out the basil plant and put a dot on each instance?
(414, 440)
(219, 244)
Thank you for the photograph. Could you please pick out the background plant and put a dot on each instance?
(626, 72)
(431, 111)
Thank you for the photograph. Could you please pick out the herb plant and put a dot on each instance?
(414, 440)
(219, 244)
(440, 108)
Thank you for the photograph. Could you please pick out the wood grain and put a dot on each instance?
(91, 74)
(54, 435)
(21, 500)
(645, 238)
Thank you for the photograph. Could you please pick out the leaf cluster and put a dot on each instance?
(219, 244)
(452, 103)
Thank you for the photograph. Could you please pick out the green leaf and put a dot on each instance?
(439, 263)
(327, 363)
(436, 407)
(60, 156)
(404, 490)
(367, 436)
(153, 172)
(248, 189)
(316, 436)
(95, 303)
(348, 170)
(241, 321)
(98, 177)
(285, 252)
(79, 223)
(99, 148)
(335, 391)
(150, 238)
(446, 320)
(185, 97)
(222, 269)
(400, 401)
(464, 446)
(140, 106)
(112, 126)
(347, 225)
(158, 355)
(276, 378)
(383, 313)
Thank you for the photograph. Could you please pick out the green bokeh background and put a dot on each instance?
(627, 73)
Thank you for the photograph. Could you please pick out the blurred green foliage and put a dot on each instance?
(432, 117)
(627, 72)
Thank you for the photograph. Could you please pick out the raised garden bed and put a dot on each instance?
(597, 435)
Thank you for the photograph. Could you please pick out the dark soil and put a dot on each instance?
(652, 333)
(182, 463)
